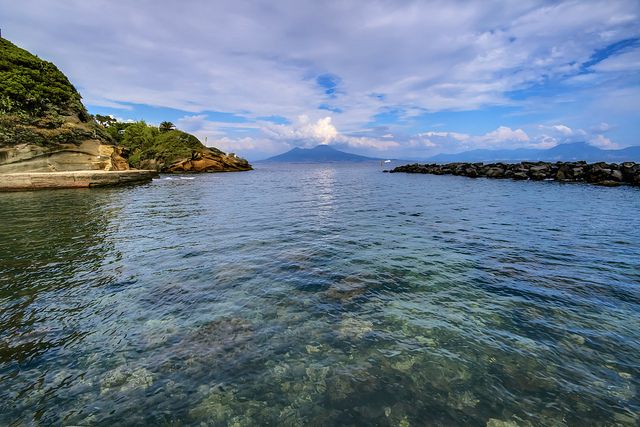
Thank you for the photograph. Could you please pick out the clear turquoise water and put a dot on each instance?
(321, 295)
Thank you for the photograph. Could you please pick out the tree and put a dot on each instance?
(105, 121)
(138, 136)
(166, 126)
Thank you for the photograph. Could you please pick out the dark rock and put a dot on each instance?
(605, 174)
(495, 172)
(520, 175)
(616, 175)
(608, 183)
(471, 172)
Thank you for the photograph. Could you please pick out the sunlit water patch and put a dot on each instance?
(321, 295)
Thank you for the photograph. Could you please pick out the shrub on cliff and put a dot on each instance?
(33, 87)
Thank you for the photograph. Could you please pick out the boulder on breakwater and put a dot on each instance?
(601, 173)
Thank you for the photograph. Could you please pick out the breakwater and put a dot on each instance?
(601, 173)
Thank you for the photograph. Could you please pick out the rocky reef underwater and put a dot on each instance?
(290, 366)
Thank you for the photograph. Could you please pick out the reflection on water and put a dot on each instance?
(321, 295)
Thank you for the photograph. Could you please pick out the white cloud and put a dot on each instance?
(602, 127)
(309, 133)
(192, 123)
(413, 57)
(545, 141)
(602, 141)
(505, 134)
(565, 130)
(564, 133)
(442, 141)
(247, 145)
(256, 60)
(455, 135)
(304, 131)
(367, 142)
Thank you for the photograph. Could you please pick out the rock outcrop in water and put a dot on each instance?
(43, 125)
(168, 150)
(607, 174)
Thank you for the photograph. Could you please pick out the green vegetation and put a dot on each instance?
(38, 104)
(33, 87)
(165, 146)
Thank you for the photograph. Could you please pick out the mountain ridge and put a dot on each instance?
(561, 152)
(319, 154)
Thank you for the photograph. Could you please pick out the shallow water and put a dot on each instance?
(321, 295)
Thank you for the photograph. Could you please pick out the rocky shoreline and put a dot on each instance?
(606, 174)
(73, 179)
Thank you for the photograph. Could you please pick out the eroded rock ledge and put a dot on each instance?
(608, 174)
(73, 179)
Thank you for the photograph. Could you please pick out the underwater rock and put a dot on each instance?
(158, 331)
(493, 422)
(340, 387)
(627, 418)
(227, 336)
(576, 339)
(315, 381)
(404, 422)
(312, 348)
(124, 379)
(403, 364)
(347, 289)
(351, 327)
(224, 406)
(625, 375)
(215, 407)
(463, 400)
(290, 417)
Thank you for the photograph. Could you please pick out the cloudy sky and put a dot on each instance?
(405, 78)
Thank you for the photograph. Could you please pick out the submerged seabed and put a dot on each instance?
(321, 295)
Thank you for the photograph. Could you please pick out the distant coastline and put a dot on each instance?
(566, 152)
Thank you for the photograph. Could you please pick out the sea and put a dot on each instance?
(321, 295)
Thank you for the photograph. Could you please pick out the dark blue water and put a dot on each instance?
(321, 295)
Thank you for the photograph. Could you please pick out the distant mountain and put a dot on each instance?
(319, 154)
(562, 152)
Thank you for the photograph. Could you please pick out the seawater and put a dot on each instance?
(321, 295)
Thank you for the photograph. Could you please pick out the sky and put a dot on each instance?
(396, 79)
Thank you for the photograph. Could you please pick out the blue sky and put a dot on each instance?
(396, 79)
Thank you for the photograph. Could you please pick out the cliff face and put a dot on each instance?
(43, 124)
(209, 160)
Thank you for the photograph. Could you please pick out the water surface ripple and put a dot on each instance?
(321, 295)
